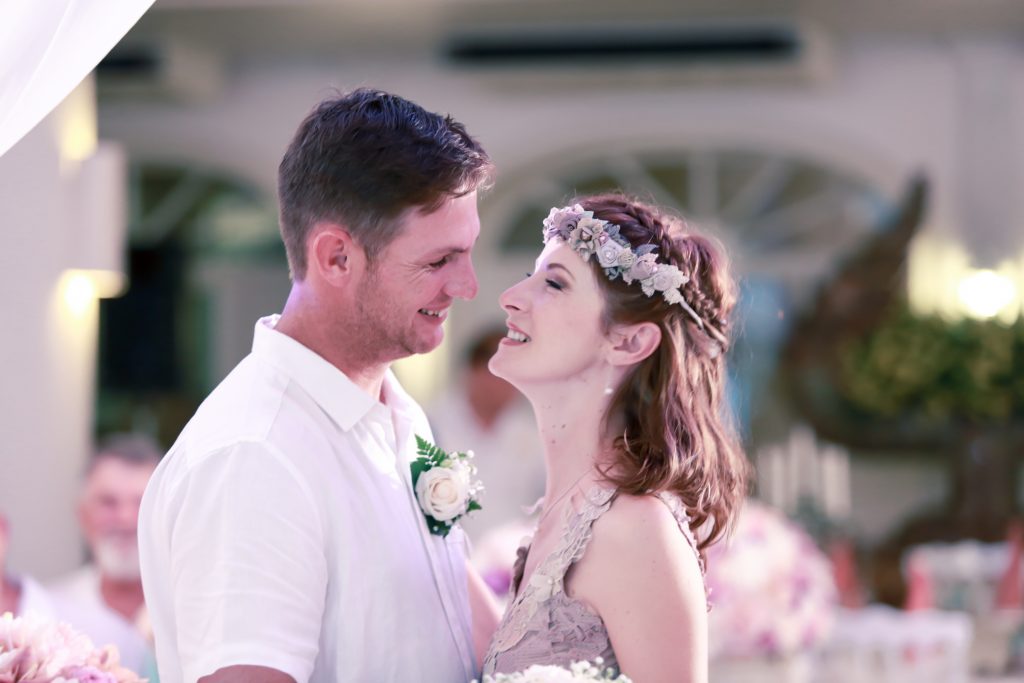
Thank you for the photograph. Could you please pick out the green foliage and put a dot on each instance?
(927, 367)
(432, 453)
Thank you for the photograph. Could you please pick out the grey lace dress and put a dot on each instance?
(542, 624)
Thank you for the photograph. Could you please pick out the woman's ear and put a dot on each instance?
(631, 344)
(333, 254)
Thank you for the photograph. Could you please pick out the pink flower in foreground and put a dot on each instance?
(34, 650)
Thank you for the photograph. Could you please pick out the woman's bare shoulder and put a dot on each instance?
(639, 534)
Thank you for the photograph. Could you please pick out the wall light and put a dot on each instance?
(986, 293)
(942, 281)
(96, 212)
(78, 292)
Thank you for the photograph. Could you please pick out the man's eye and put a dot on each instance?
(440, 264)
(529, 275)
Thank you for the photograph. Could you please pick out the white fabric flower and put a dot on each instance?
(667, 277)
(608, 254)
(673, 296)
(546, 673)
(560, 221)
(590, 228)
(643, 268)
(443, 492)
(626, 259)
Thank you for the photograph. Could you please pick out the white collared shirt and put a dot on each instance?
(281, 530)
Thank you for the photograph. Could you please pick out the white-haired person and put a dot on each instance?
(105, 594)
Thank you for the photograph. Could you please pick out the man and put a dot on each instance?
(281, 539)
(108, 514)
(21, 596)
(106, 594)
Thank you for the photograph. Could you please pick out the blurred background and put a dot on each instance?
(862, 162)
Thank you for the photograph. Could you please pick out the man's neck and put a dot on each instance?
(299, 322)
(10, 595)
(124, 597)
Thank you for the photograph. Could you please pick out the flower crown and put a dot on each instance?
(589, 236)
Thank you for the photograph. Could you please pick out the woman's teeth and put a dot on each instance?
(517, 336)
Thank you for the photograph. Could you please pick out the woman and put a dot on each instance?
(619, 341)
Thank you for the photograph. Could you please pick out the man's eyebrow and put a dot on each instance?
(445, 251)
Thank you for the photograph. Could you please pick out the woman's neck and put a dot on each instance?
(570, 421)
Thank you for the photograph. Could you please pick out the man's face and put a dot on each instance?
(403, 299)
(109, 513)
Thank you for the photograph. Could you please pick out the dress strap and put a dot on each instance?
(548, 578)
(579, 528)
(678, 510)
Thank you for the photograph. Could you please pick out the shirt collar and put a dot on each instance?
(344, 401)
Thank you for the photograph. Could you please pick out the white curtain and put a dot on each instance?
(47, 47)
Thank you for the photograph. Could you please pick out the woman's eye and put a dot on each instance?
(555, 284)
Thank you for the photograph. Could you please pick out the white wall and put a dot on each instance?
(48, 352)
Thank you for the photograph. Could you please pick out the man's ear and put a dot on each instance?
(333, 253)
(631, 344)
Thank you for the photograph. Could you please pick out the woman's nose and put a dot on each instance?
(511, 299)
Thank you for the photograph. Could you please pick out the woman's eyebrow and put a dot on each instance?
(552, 266)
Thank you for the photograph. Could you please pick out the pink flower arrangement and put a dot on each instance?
(35, 650)
(772, 589)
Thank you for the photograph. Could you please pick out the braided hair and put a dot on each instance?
(678, 435)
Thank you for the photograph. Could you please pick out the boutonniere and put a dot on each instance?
(444, 486)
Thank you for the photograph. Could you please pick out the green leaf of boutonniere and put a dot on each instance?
(447, 495)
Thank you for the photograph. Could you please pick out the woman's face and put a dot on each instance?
(555, 323)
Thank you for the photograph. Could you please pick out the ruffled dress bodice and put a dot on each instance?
(544, 625)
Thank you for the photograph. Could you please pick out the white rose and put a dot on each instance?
(608, 254)
(626, 259)
(546, 673)
(443, 493)
(667, 277)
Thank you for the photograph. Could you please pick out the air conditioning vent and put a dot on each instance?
(711, 51)
(602, 46)
(167, 70)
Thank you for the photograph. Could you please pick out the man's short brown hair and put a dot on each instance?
(364, 158)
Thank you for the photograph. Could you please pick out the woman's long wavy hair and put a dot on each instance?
(679, 434)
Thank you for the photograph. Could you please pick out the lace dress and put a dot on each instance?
(542, 624)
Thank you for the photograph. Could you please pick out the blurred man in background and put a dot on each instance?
(109, 588)
(22, 596)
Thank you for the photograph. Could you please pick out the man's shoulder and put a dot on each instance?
(250, 408)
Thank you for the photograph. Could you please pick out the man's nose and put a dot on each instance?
(464, 284)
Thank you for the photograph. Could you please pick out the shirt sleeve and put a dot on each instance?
(248, 568)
